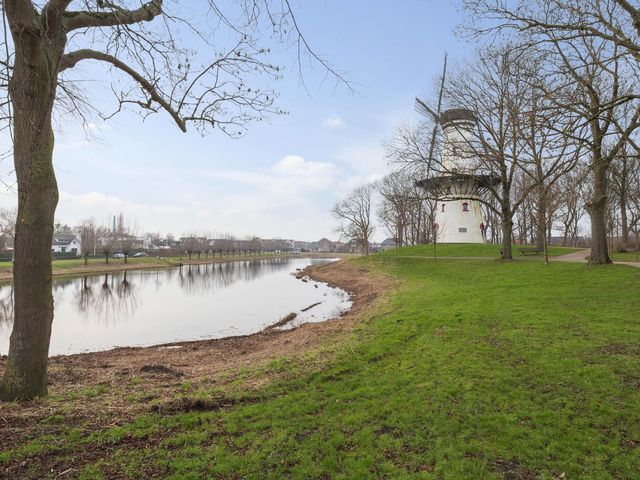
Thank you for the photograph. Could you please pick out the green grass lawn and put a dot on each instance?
(625, 257)
(469, 250)
(471, 370)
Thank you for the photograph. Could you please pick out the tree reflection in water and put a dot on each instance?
(113, 297)
(116, 299)
(6, 309)
(198, 279)
(146, 307)
(85, 297)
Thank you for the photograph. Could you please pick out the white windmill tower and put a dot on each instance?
(460, 186)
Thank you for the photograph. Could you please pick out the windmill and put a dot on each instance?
(424, 109)
(459, 187)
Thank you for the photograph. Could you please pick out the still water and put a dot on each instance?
(149, 307)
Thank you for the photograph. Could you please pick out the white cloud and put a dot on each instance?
(290, 176)
(366, 160)
(334, 121)
(282, 199)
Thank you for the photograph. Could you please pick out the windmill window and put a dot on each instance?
(442, 208)
(465, 207)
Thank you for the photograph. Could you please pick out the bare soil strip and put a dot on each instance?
(95, 391)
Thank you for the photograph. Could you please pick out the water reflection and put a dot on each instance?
(6, 308)
(198, 279)
(193, 301)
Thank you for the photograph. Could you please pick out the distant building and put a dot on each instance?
(389, 244)
(326, 245)
(66, 243)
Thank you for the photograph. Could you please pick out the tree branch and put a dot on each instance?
(85, 19)
(70, 59)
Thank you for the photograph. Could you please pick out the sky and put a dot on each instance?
(283, 176)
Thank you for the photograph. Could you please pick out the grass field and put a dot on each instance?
(625, 257)
(470, 370)
(470, 250)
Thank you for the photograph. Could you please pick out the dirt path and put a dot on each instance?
(579, 256)
(95, 391)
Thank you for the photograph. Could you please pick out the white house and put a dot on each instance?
(66, 243)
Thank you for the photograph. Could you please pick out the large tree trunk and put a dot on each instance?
(32, 89)
(541, 219)
(597, 209)
(623, 218)
(507, 243)
(507, 233)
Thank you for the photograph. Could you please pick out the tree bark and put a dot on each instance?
(597, 209)
(624, 222)
(541, 220)
(32, 89)
(507, 233)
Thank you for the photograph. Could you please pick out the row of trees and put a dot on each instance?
(558, 112)
(122, 237)
(558, 107)
(557, 94)
(403, 210)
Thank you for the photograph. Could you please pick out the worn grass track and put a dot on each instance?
(471, 369)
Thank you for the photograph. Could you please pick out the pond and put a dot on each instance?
(193, 302)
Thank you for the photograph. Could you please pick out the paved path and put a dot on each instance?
(582, 256)
(579, 256)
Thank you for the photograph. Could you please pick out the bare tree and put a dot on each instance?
(88, 238)
(496, 87)
(204, 83)
(522, 137)
(403, 209)
(189, 244)
(571, 205)
(612, 21)
(106, 240)
(354, 216)
(624, 174)
(595, 46)
(634, 207)
(549, 151)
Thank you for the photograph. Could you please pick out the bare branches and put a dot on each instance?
(71, 59)
(354, 216)
(118, 16)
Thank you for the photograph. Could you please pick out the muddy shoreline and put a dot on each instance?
(101, 389)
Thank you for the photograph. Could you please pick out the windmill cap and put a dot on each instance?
(456, 115)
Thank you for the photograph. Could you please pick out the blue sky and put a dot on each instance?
(282, 178)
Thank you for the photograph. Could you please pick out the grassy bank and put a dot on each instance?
(471, 369)
(76, 266)
(470, 250)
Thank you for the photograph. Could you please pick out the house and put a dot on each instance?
(389, 244)
(325, 245)
(66, 243)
